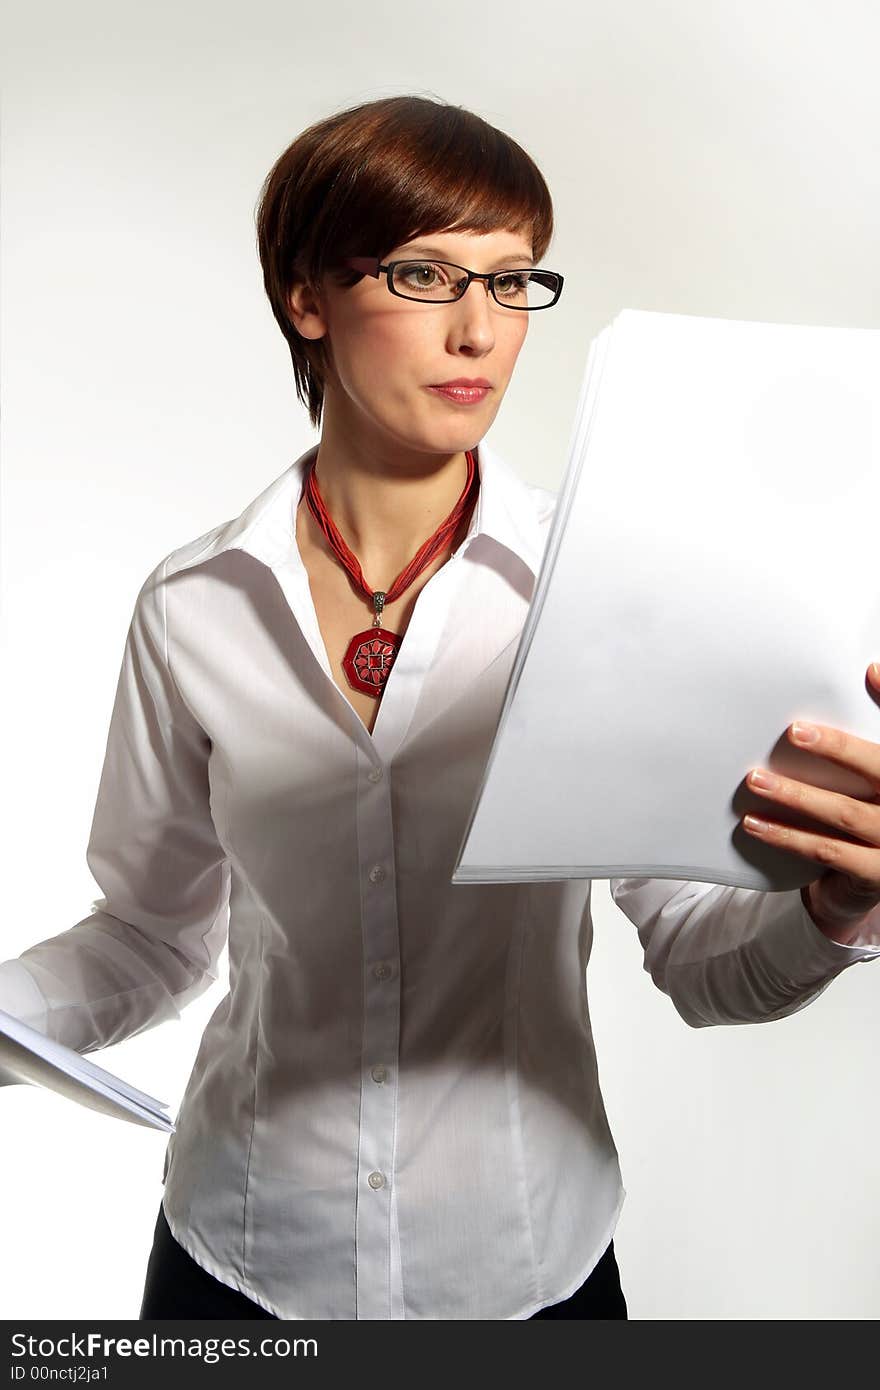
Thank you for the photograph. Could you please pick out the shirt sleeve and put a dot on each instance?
(151, 944)
(733, 955)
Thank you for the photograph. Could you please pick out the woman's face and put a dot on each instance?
(388, 351)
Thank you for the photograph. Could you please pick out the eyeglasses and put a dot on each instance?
(433, 282)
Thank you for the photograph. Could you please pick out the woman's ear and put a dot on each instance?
(306, 311)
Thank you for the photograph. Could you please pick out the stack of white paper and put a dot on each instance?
(710, 576)
(26, 1055)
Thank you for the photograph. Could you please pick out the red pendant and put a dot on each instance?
(369, 658)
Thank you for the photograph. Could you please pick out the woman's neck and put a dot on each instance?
(387, 505)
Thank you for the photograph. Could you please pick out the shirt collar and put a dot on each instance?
(506, 511)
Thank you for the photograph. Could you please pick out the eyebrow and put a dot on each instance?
(422, 248)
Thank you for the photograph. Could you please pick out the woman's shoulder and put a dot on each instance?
(544, 501)
(209, 542)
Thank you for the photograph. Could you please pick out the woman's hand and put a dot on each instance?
(848, 889)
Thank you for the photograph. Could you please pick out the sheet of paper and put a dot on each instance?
(710, 576)
(26, 1055)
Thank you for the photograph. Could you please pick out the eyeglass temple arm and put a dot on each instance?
(365, 265)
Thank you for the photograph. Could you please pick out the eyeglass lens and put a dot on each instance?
(441, 283)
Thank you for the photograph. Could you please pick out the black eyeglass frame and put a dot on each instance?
(369, 265)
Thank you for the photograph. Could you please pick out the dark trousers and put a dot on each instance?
(177, 1287)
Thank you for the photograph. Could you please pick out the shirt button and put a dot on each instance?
(382, 971)
(379, 1073)
(377, 873)
(375, 774)
(376, 1180)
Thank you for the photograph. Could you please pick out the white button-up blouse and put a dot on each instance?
(395, 1111)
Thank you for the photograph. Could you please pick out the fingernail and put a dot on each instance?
(805, 733)
(875, 670)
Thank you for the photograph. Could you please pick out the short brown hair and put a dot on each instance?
(369, 178)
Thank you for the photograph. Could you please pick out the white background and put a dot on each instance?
(707, 158)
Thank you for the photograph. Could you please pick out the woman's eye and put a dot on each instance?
(512, 284)
(419, 274)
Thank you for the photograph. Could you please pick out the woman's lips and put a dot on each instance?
(462, 395)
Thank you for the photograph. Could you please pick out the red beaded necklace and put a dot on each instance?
(370, 654)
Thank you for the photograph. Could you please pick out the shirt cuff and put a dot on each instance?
(866, 946)
(21, 996)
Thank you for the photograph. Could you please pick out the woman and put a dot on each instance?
(391, 467)
(395, 1110)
